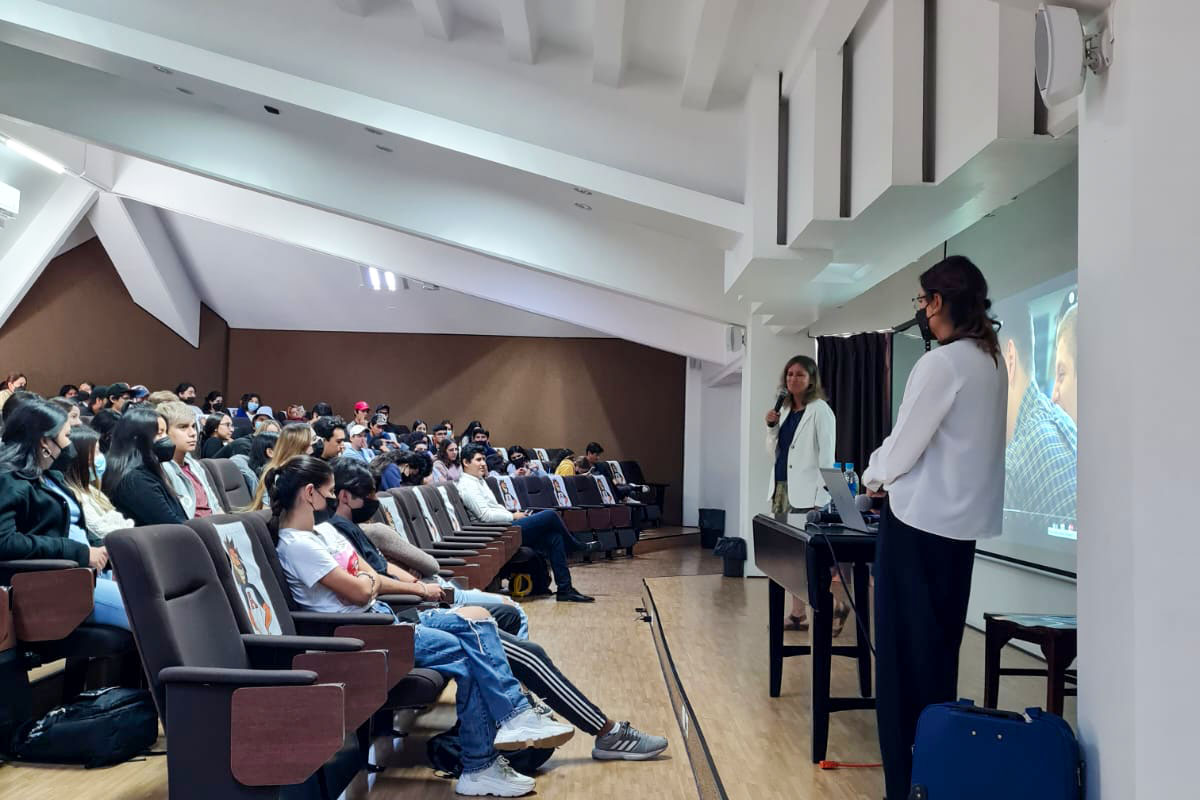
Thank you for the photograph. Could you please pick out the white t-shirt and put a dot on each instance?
(943, 464)
(307, 557)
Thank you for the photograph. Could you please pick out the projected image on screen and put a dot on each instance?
(1038, 342)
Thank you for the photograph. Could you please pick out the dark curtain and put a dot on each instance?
(856, 373)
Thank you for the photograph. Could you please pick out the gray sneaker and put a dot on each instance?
(627, 743)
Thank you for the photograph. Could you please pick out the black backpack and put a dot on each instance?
(445, 756)
(103, 727)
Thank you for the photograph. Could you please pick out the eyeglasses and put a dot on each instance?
(919, 301)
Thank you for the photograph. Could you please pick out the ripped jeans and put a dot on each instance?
(488, 695)
(477, 597)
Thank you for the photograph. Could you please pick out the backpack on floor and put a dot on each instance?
(102, 727)
(445, 756)
(963, 751)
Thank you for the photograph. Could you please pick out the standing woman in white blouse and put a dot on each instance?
(942, 471)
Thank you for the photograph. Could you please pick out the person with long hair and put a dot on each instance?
(186, 476)
(324, 573)
(296, 438)
(71, 408)
(262, 448)
(11, 383)
(216, 434)
(446, 467)
(247, 406)
(214, 402)
(82, 474)
(39, 516)
(133, 476)
(801, 442)
(941, 476)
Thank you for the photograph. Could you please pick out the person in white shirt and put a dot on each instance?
(356, 444)
(941, 472)
(544, 531)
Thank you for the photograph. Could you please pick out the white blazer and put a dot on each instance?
(812, 448)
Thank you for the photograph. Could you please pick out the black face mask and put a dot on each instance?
(164, 449)
(64, 458)
(923, 325)
(366, 513)
(218, 406)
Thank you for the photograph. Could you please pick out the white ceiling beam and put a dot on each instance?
(359, 8)
(140, 248)
(608, 43)
(437, 18)
(708, 49)
(829, 26)
(520, 30)
(69, 37)
(452, 268)
(24, 261)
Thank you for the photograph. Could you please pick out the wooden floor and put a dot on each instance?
(605, 648)
(716, 629)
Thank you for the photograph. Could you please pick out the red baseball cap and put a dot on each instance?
(361, 405)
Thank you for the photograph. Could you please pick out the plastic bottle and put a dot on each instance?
(851, 479)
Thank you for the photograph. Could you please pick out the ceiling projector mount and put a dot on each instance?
(1064, 52)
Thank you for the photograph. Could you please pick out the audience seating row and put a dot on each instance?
(587, 513)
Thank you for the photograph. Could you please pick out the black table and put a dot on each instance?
(797, 559)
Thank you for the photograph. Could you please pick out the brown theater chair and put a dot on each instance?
(450, 524)
(536, 493)
(489, 556)
(228, 480)
(452, 566)
(234, 730)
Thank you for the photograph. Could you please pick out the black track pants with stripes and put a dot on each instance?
(533, 668)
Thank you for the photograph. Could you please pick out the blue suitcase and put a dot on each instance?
(965, 752)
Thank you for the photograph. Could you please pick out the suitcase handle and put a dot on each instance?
(991, 712)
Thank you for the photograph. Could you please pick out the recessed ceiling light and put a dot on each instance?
(185, 91)
(164, 70)
(374, 277)
(581, 190)
(584, 206)
(375, 131)
(389, 278)
(271, 110)
(384, 148)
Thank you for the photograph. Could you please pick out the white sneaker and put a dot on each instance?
(528, 729)
(498, 780)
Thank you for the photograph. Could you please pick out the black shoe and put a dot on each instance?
(592, 547)
(573, 595)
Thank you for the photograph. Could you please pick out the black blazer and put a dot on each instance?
(35, 522)
(146, 500)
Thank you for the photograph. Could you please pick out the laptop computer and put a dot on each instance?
(835, 483)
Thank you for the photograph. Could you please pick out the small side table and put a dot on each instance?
(1057, 636)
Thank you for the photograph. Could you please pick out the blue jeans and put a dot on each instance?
(488, 695)
(477, 597)
(545, 533)
(107, 606)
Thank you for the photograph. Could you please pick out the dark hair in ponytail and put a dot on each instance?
(285, 482)
(964, 291)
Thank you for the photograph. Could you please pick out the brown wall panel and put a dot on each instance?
(79, 323)
(530, 391)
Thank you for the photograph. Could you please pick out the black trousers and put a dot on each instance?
(922, 585)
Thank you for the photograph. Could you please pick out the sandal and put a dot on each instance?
(794, 623)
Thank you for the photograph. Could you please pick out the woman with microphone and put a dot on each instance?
(801, 441)
(942, 473)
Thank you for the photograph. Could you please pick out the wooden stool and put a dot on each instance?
(1058, 638)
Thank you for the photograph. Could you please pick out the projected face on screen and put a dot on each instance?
(1037, 341)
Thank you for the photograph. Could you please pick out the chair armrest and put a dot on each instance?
(16, 566)
(461, 582)
(281, 735)
(222, 676)
(277, 652)
(336, 619)
(49, 604)
(363, 675)
(395, 640)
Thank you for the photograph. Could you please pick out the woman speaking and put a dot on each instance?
(942, 469)
(801, 441)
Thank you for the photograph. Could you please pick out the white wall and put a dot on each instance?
(693, 442)
(720, 416)
(1138, 240)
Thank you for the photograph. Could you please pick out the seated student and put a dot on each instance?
(320, 410)
(266, 425)
(295, 413)
(355, 490)
(83, 475)
(96, 401)
(324, 573)
(39, 516)
(440, 434)
(296, 439)
(566, 464)
(261, 416)
(520, 465)
(494, 463)
(85, 388)
(251, 465)
(10, 384)
(482, 437)
(583, 466)
(247, 406)
(446, 467)
(356, 444)
(378, 429)
(214, 402)
(133, 477)
(332, 431)
(186, 476)
(118, 397)
(70, 408)
(544, 531)
(68, 391)
(419, 426)
(156, 399)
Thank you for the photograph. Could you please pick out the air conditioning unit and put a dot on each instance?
(10, 203)
(735, 338)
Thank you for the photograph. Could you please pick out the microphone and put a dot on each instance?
(779, 398)
(817, 517)
(903, 326)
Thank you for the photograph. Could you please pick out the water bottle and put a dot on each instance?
(851, 479)
(829, 506)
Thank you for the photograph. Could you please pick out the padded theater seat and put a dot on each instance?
(229, 481)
